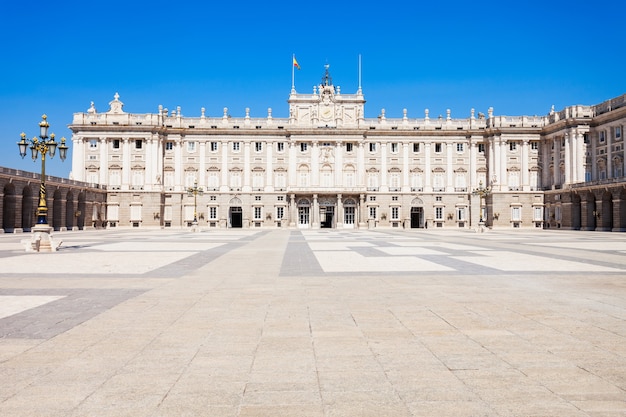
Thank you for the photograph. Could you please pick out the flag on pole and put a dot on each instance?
(295, 63)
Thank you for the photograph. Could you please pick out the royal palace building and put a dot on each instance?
(327, 166)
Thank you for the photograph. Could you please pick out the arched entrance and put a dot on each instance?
(235, 213)
(327, 212)
(417, 213)
(9, 206)
(349, 213)
(28, 209)
(304, 213)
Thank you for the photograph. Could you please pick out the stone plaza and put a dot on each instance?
(245, 322)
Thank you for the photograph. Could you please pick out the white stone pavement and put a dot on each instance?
(314, 323)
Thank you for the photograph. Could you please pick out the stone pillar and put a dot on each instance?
(406, 184)
(224, 145)
(619, 222)
(202, 166)
(293, 210)
(361, 180)
(525, 173)
(315, 213)
(103, 177)
(338, 164)
(315, 164)
(340, 214)
(246, 188)
(449, 168)
(125, 163)
(361, 211)
(384, 185)
(567, 159)
(428, 184)
(269, 167)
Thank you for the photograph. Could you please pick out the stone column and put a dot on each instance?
(202, 166)
(269, 166)
(567, 159)
(406, 183)
(315, 213)
(224, 147)
(525, 173)
(125, 163)
(246, 188)
(315, 164)
(361, 211)
(293, 210)
(340, 214)
(103, 177)
(428, 185)
(384, 186)
(449, 168)
(338, 164)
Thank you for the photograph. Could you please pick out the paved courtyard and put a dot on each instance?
(314, 323)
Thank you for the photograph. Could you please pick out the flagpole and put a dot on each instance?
(293, 72)
(359, 90)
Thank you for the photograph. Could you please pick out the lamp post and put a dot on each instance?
(195, 191)
(44, 145)
(481, 192)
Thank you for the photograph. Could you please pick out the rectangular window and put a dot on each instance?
(349, 147)
(257, 198)
(460, 148)
(213, 146)
(460, 214)
(280, 213)
(394, 148)
(212, 213)
(618, 132)
(93, 143)
(372, 147)
(516, 214)
(257, 213)
(481, 148)
(372, 212)
(372, 198)
(395, 213)
(438, 213)
(235, 146)
(534, 145)
(394, 198)
(168, 146)
(280, 198)
(280, 146)
(416, 148)
(512, 146)
(538, 213)
(258, 146)
(438, 147)
(116, 143)
(303, 147)
(138, 144)
(191, 146)
(602, 137)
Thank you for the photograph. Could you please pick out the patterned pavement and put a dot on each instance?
(314, 323)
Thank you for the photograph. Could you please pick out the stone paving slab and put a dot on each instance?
(315, 323)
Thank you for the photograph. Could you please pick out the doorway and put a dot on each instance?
(327, 214)
(417, 217)
(236, 217)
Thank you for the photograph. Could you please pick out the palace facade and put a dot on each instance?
(327, 166)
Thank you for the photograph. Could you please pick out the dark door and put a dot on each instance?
(236, 217)
(416, 217)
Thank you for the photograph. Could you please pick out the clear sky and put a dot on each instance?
(518, 57)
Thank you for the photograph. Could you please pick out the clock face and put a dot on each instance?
(327, 113)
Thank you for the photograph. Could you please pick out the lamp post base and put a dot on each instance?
(41, 240)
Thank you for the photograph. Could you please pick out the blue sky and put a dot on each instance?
(519, 57)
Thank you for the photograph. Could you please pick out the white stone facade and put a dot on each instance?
(326, 165)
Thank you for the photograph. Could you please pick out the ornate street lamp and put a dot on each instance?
(481, 192)
(43, 145)
(195, 191)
